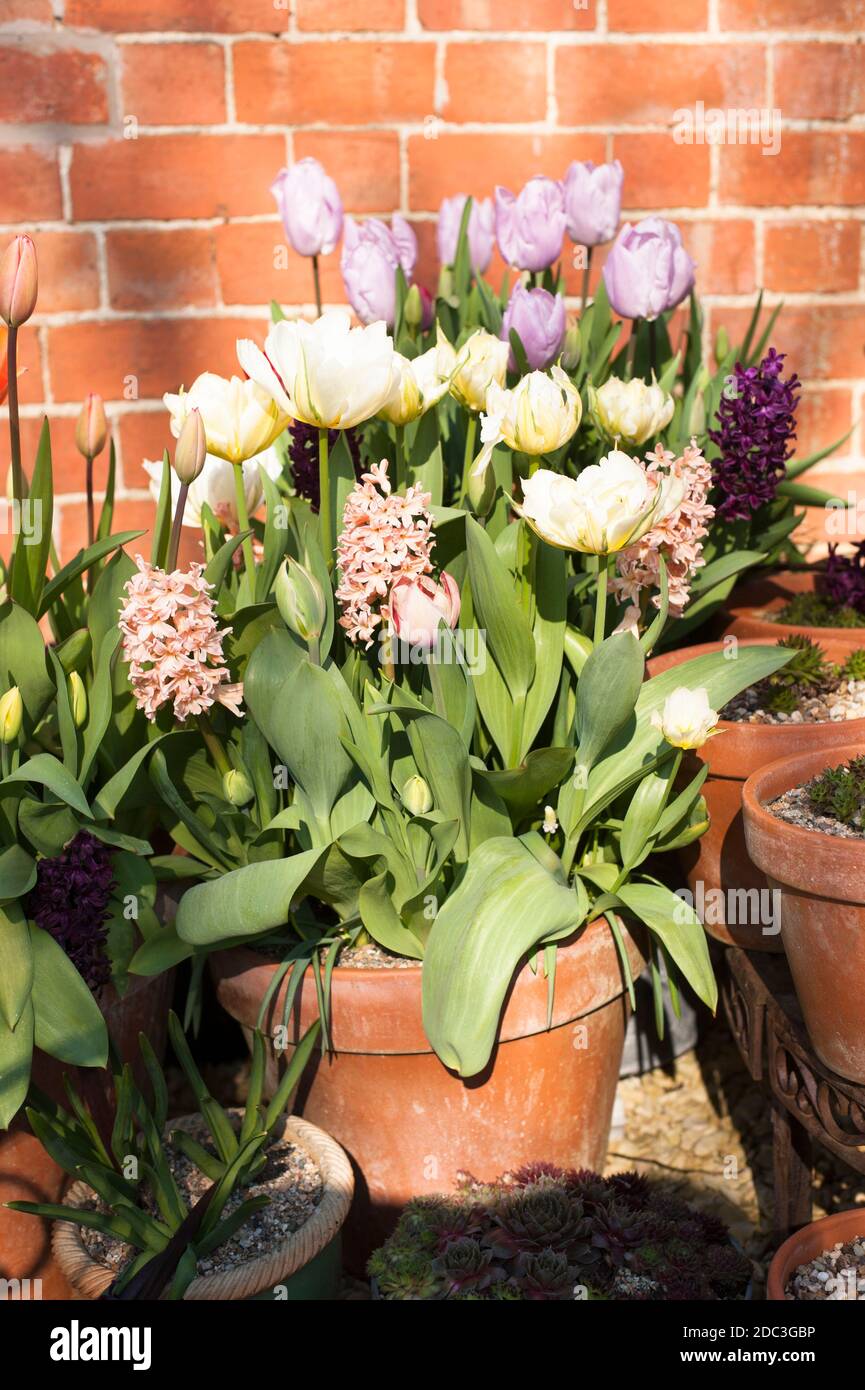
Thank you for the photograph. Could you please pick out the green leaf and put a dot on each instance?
(16, 963)
(162, 520)
(680, 931)
(22, 660)
(65, 722)
(30, 561)
(45, 770)
(607, 692)
(84, 560)
(17, 872)
(496, 609)
(16, 1055)
(101, 701)
(382, 920)
(506, 904)
(523, 788)
(246, 902)
(68, 1023)
(548, 635)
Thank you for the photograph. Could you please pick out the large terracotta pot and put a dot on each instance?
(747, 613)
(806, 1245)
(28, 1174)
(407, 1122)
(718, 868)
(822, 883)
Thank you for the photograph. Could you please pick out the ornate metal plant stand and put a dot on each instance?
(810, 1104)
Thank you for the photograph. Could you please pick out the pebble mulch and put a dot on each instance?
(794, 806)
(838, 1274)
(845, 700)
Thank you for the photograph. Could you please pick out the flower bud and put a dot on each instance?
(91, 430)
(300, 601)
(722, 344)
(417, 797)
(77, 699)
(191, 450)
(687, 719)
(236, 787)
(572, 349)
(481, 490)
(413, 308)
(19, 281)
(11, 715)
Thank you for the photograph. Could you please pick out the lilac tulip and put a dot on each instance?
(593, 201)
(539, 320)
(530, 226)
(481, 231)
(648, 269)
(310, 207)
(371, 253)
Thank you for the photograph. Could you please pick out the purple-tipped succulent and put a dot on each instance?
(756, 427)
(70, 900)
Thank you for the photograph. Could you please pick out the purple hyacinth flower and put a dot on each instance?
(756, 427)
(70, 900)
(303, 456)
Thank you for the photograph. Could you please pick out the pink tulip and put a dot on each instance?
(418, 606)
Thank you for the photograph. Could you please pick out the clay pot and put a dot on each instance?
(720, 859)
(27, 1173)
(822, 882)
(306, 1265)
(407, 1122)
(805, 1245)
(746, 614)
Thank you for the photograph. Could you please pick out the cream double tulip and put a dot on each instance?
(610, 505)
(240, 419)
(481, 362)
(538, 416)
(687, 719)
(325, 373)
(422, 382)
(631, 411)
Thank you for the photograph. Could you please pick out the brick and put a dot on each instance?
(659, 173)
(641, 82)
(144, 434)
(818, 256)
(365, 165)
(30, 391)
(29, 184)
(130, 514)
(160, 354)
(166, 176)
(819, 167)
(824, 416)
(792, 14)
(507, 15)
(41, 83)
(179, 16)
(255, 265)
(724, 252)
(161, 270)
(68, 271)
(374, 16)
(341, 83)
(38, 10)
(656, 16)
(489, 81)
(824, 341)
(173, 83)
(475, 163)
(67, 465)
(820, 82)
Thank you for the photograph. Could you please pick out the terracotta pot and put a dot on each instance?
(805, 1245)
(27, 1173)
(822, 882)
(306, 1265)
(719, 860)
(407, 1122)
(746, 614)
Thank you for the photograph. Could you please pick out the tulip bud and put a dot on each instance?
(77, 699)
(191, 450)
(481, 490)
(236, 787)
(687, 719)
(19, 281)
(572, 348)
(722, 344)
(417, 797)
(413, 308)
(300, 600)
(91, 430)
(11, 715)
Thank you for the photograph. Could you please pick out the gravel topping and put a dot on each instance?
(838, 1274)
(845, 700)
(795, 807)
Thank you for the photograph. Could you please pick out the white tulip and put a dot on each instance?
(481, 361)
(610, 505)
(687, 718)
(630, 410)
(215, 485)
(538, 416)
(422, 382)
(240, 419)
(325, 373)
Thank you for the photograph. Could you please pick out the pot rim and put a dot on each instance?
(839, 854)
(90, 1278)
(833, 1226)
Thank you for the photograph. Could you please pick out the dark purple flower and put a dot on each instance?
(70, 900)
(844, 580)
(756, 427)
(303, 456)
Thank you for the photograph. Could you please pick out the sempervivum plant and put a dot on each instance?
(542, 1234)
(839, 792)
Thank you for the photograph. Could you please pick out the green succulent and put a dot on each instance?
(854, 667)
(839, 792)
(811, 610)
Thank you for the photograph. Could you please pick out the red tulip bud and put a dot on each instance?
(18, 281)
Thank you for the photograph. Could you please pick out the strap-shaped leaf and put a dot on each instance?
(246, 902)
(680, 931)
(67, 1021)
(16, 1055)
(16, 962)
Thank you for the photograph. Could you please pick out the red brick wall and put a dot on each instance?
(157, 251)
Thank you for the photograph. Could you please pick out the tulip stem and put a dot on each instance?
(653, 348)
(471, 431)
(601, 599)
(14, 422)
(586, 272)
(89, 473)
(324, 497)
(399, 465)
(243, 524)
(317, 282)
(174, 541)
(214, 744)
(632, 348)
